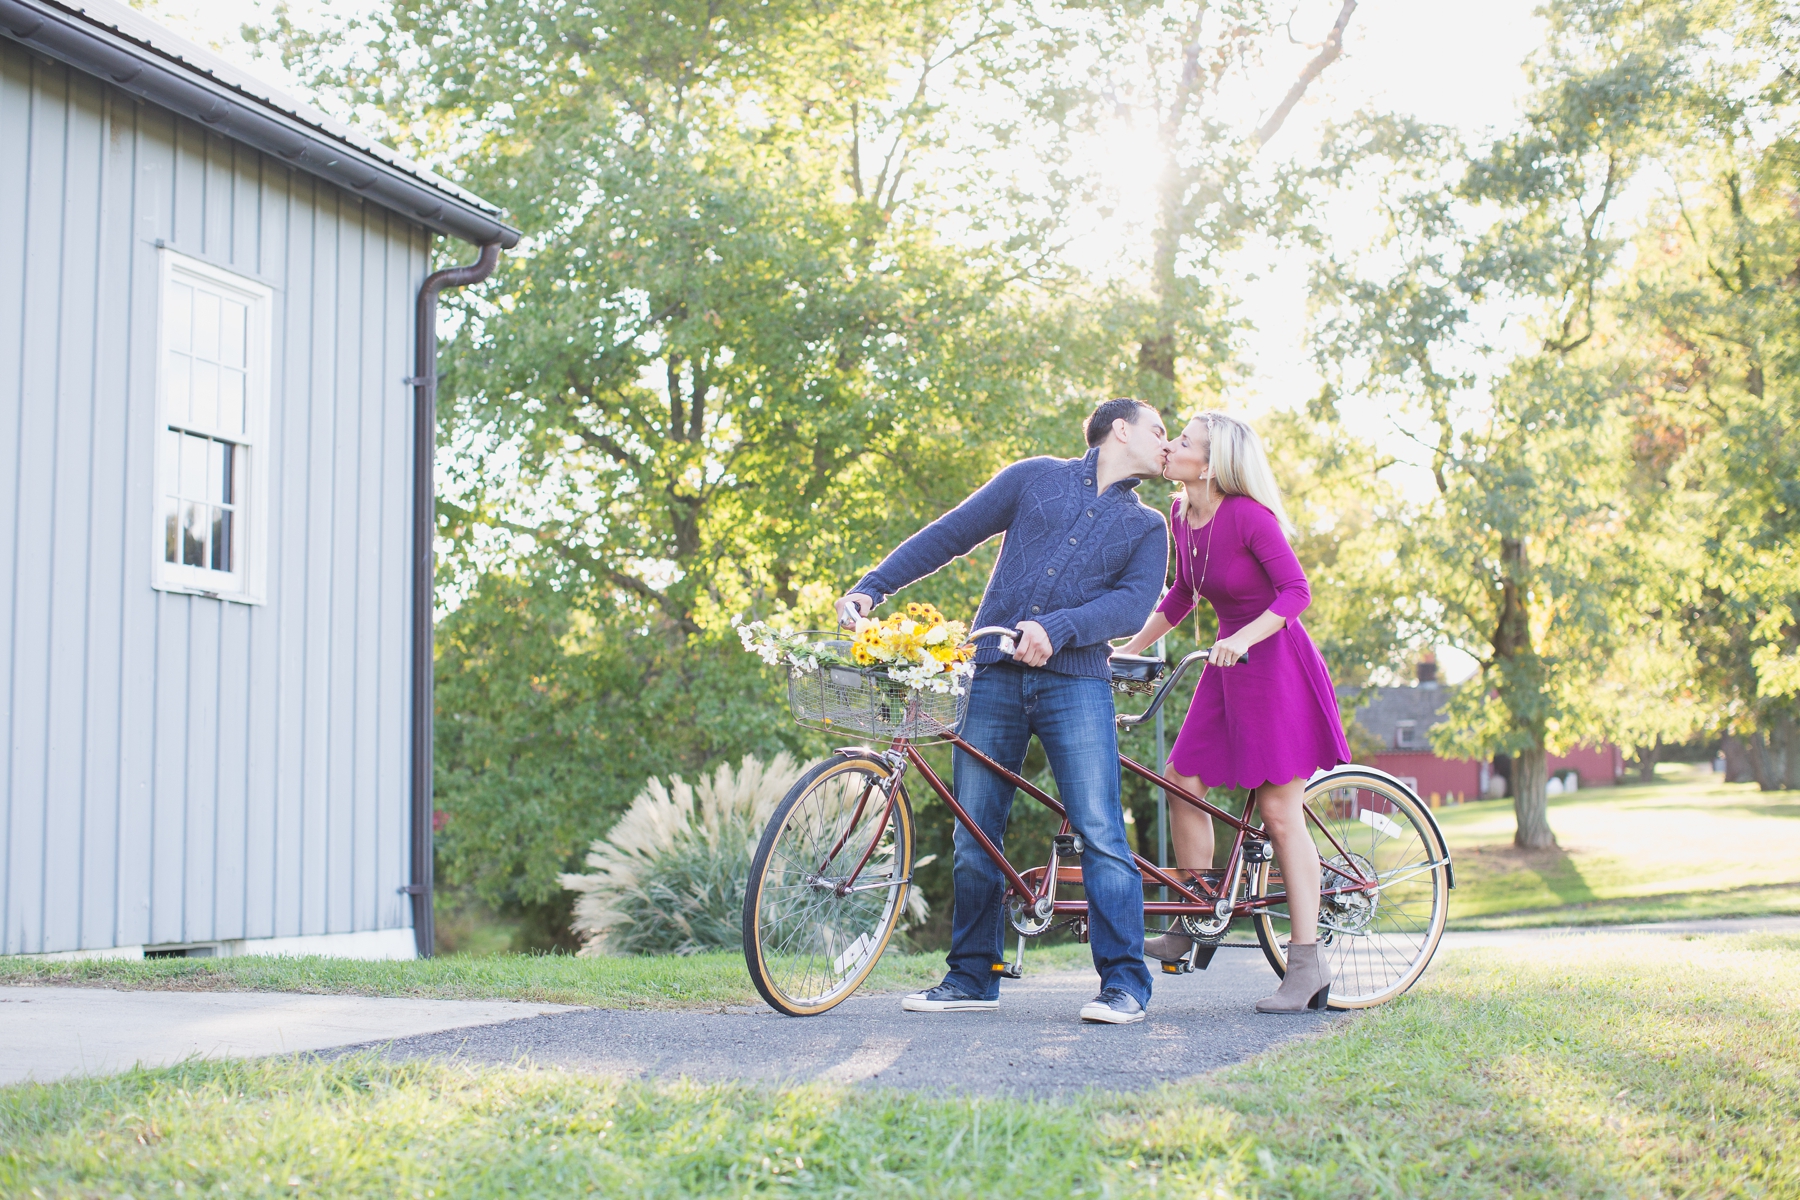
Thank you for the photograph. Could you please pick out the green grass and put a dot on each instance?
(1589, 1071)
(662, 981)
(1687, 846)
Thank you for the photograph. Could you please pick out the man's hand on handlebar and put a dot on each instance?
(1034, 645)
(851, 607)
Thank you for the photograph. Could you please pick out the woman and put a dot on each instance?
(1266, 720)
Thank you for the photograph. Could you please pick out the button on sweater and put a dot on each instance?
(1087, 567)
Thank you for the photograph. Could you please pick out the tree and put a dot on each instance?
(1525, 557)
(1711, 295)
(730, 364)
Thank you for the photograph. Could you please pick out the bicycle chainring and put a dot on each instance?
(1206, 930)
(1024, 920)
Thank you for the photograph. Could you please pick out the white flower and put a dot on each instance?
(936, 634)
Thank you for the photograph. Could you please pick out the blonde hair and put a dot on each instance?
(1240, 465)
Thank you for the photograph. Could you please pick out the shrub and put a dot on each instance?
(669, 878)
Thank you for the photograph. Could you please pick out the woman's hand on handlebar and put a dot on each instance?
(1227, 651)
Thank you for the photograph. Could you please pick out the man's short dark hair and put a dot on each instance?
(1106, 412)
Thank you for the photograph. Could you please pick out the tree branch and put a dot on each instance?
(1328, 53)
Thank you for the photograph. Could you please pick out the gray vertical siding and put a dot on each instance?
(175, 768)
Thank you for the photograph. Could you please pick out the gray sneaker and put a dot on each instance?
(1113, 1006)
(947, 997)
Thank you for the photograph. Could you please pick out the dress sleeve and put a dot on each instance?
(1178, 602)
(1265, 541)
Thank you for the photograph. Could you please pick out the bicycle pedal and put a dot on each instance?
(1180, 966)
(1014, 970)
(1068, 845)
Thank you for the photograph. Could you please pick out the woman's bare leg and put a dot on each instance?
(1190, 829)
(1285, 822)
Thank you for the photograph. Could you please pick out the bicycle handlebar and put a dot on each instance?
(1162, 693)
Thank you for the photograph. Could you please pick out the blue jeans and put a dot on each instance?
(1072, 717)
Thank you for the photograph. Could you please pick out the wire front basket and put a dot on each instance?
(864, 700)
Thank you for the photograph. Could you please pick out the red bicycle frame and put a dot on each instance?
(1198, 900)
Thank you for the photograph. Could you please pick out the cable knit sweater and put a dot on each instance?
(1087, 567)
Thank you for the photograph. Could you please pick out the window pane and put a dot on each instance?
(206, 394)
(228, 472)
(180, 386)
(231, 334)
(206, 325)
(192, 485)
(221, 540)
(193, 531)
(215, 472)
(179, 320)
(231, 400)
(171, 529)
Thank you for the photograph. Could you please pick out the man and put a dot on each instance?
(1082, 563)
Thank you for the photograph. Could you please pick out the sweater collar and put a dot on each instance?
(1090, 470)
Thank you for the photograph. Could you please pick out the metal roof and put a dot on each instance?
(1382, 709)
(132, 52)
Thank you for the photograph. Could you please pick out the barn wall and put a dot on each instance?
(177, 768)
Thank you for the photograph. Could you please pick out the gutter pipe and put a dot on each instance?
(424, 578)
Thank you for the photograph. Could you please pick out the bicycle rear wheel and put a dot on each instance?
(1379, 941)
(828, 885)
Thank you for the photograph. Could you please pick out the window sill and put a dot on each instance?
(188, 589)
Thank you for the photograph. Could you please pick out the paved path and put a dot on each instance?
(49, 1033)
(1034, 1045)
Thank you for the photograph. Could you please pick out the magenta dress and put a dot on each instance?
(1272, 717)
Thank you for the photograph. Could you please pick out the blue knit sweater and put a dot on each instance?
(1086, 567)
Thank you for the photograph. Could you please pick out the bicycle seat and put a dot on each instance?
(1137, 668)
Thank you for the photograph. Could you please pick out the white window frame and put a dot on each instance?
(245, 583)
(1406, 735)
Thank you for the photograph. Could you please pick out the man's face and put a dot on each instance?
(1145, 440)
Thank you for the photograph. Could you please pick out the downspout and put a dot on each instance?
(424, 383)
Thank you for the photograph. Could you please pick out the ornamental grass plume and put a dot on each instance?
(669, 877)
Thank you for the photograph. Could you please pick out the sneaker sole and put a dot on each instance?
(935, 1006)
(1113, 1018)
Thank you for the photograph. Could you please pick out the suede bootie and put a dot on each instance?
(1307, 984)
(1173, 946)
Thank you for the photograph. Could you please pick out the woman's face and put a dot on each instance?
(1189, 457)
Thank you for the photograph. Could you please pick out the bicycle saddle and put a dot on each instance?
(1137, 668)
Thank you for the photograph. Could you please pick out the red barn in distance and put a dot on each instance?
(1399, 720)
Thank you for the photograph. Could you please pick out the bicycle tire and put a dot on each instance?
(1377, 947)
(807, 947)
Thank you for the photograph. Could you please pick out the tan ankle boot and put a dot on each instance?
(1307, 984)
(1169, 947)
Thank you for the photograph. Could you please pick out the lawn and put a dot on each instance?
(664, 981)
(1587, 1070)
(1686, 846)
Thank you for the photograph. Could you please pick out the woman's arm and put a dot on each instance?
(1154, 628)
(1229, 650)
(1265, 541)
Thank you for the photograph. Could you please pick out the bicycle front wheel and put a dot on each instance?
(828, 885)
(1378, 940)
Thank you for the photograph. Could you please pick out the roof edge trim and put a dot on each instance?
(143, 71)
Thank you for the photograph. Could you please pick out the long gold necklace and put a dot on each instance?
(1212, 524)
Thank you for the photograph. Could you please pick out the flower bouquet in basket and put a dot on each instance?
(918, 648)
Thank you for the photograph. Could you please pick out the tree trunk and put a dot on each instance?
(1739, 766)
(1531, 807)
(1777, 754)
(1646, 763)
